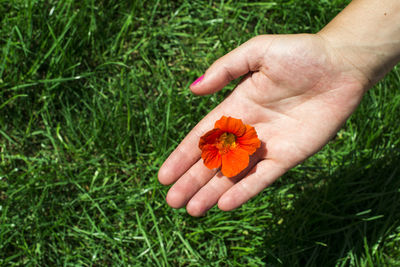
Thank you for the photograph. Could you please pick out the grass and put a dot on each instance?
(94, 96)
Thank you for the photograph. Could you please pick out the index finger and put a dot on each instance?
(187, 152)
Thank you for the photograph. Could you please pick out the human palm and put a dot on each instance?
(297, 92)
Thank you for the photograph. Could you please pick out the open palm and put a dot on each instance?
(297, 93)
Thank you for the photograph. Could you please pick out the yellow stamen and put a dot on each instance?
(226, 142)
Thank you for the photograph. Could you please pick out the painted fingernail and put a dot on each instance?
(198, 80)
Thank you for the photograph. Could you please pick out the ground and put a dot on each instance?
(93, 98)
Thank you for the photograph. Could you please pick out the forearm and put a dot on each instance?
(367, 34)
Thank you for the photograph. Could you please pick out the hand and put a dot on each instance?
(297, 93)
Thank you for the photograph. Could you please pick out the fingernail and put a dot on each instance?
(198, 80)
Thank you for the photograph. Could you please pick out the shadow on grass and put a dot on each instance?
(348, 216)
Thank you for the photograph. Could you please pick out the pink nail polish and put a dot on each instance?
(198, 80)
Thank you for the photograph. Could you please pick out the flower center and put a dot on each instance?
(226, 142)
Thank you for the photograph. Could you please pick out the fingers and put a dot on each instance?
(260, 177)
(209, 194)
(195, 178)
(201, 189)
(184, 156)
(247, 57)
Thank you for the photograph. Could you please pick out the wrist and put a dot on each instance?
(366, 36)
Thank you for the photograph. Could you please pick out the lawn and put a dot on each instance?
(93, 98)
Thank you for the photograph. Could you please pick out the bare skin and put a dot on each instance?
(297, 92)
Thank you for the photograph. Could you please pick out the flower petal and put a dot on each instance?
(231, 125)
(209, 138)
(249, 141)
(234, 162)
(211, 157)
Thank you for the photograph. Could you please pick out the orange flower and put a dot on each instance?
(229, 146)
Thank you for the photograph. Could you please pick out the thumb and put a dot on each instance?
(247, 57)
